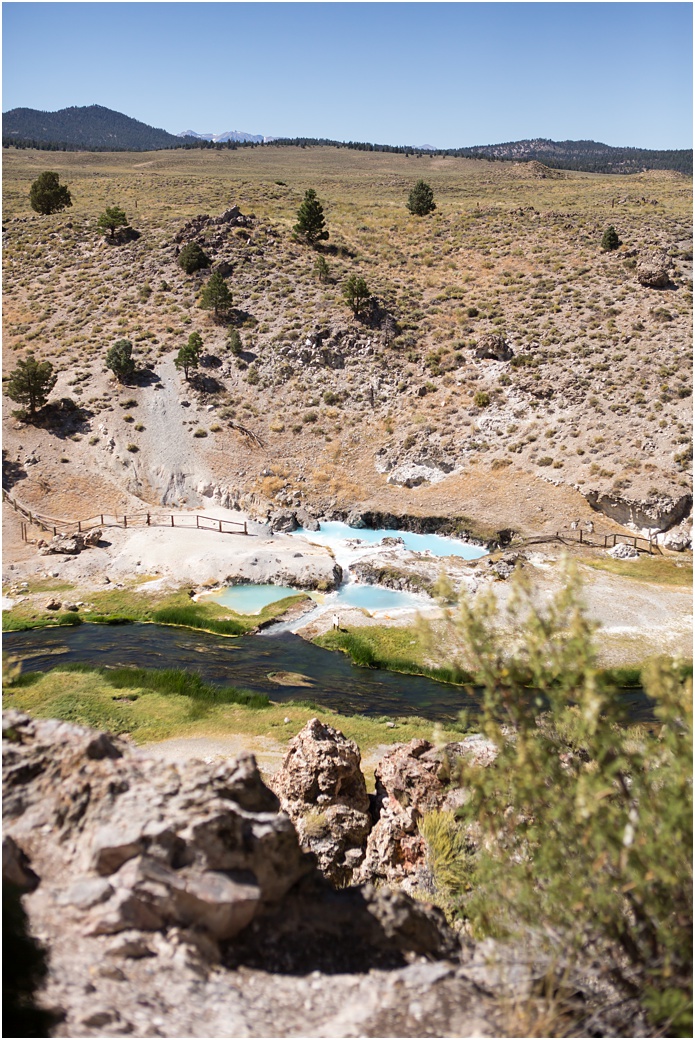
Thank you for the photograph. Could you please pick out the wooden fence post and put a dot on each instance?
(581, 536)
(125, 521)
(220, 526)
(245, 530)
(102, 519)
(148, 519)
(197, 520)
(172, 519)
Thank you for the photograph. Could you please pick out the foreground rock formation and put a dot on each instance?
(152, 885)
(175, 900)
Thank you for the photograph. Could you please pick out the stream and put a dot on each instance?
(246, 662)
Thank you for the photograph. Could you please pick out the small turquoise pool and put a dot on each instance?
(334, 534)
(251, 599)
(374, 597)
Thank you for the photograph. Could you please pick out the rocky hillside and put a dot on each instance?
(502, 358)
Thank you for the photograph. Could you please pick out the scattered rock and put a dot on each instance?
(52, 604)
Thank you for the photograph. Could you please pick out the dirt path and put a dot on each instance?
(171, 465)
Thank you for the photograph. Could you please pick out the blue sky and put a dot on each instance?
(445, 74)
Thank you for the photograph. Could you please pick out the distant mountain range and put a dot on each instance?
(228, 135)
(95, 128)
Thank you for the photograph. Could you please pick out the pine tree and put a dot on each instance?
(112, 218)
(188, 356)
(310, 221)
(421, 199)
(355, 293)
(48, 195)
(610, 239)
(234, 343)
(31, 382)
(216, 295)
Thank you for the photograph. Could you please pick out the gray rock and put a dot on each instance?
(494, 347)
(653, 270)
(321, 787)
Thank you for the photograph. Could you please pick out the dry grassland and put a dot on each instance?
(597, 395)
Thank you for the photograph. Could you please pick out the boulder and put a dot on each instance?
(283, 521)
(321, 787)
(186, 844)
(93, 537)
(356, 519)
(63, 544)
(653, 270)
(53, 604)
(494, 347)
(656, 511)
(679, 539)
(623, 551)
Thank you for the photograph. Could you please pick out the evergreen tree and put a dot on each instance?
(310, 221)
(215, 295)
(322, 270)
(234, 343)
(192, 258)
(112, 218)
(48, 195)
(610, 239)
(119, 359)
(421, 199)
(355, 293)
(188, 356)
(31, 382)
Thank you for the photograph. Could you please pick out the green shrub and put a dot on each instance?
(192, 258)
(481, 399)
(582, 828)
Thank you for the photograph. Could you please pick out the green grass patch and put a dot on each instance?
(12, 623)
(152, 705)
(394, 649)
(660, 570)
(121, 606)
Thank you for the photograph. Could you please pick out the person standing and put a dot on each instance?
(336, 623)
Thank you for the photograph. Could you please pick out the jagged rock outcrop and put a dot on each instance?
(321, 787)
(411, 780)
(151, 883)
(657, 512)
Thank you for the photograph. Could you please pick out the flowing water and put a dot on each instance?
(247, 661)
(244, 662)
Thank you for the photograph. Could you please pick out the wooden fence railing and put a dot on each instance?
(606, 541)
(144, 519)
